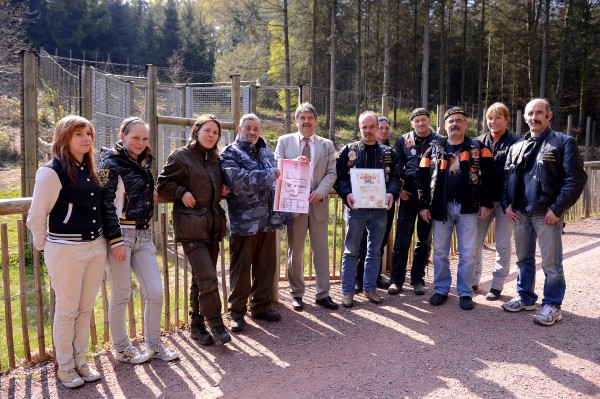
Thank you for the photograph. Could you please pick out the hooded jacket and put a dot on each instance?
(128, 200)
(195, 169)
(249, 171)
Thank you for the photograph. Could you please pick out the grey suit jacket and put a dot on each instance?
(324, 172)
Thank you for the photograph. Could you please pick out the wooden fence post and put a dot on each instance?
(23, 293)
(165, 260)
(235, 102)
(29, 128)
(39, 304)
(7, 305)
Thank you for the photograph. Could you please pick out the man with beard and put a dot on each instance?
(453, 186)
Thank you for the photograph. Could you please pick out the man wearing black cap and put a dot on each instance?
(453, 187)
(410, 147)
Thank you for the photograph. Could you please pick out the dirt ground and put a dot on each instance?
(404, 348)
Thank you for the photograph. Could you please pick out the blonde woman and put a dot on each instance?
(67, 189)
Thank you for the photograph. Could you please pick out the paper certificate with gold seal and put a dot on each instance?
(368, 188)
(293, 186)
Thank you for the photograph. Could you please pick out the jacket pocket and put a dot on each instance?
(194, 224)
(69, 212)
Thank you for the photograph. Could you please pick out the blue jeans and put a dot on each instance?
(527, 230)
(466, 230)
(374, 220)
(503, 237)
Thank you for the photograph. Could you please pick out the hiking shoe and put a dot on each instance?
(160, 351)
(87, 373)
(394, 289)
(70, 378)
(382, 283)
(220, 334)
(267, 315)
(348, 300)
(548, 315)
(373, 297)
(198, 332)
(493, 295)
(437, 299)
(516, 305)
(131, 355)
(419, 289)
(236, 324)
(466, 303)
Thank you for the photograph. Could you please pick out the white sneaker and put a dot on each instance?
(87, 373)
(131, 355)
(516, 305)
(70, 378)
(548, 315)
(160, 351)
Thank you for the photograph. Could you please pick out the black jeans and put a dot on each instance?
(252, 271)
(405, 227)
(205, 302)
(360, 267)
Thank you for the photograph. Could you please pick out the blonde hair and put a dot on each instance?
(63, 133)
(499, 109)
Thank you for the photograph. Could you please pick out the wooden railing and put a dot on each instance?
(23, 271)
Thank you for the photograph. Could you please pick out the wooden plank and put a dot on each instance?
(106, 335)
(7, 305)
(163, 248)
(29, 114)
(175, 251)
(39, 304)
(15, 206)
(93, 330)
(142, 310)
(335, 212)
(23, 293)
(185, 289)
(223, 278)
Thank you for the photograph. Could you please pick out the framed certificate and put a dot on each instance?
(293, 186)
(368, 188)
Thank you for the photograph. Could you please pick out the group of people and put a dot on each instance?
(99, 219)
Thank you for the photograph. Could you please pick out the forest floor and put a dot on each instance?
(404, 348)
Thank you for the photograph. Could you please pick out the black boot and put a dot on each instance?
(198, 332)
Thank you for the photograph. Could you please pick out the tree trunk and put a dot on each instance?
(386, 59)
(286, 45)
(532, 25)
(463, 75)
(480, 67)
(332, 73)
(565, 43)
(313, 56)
(544, 61)
(425, 64)
(442, 63)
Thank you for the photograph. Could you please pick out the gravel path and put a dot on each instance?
(404, 348)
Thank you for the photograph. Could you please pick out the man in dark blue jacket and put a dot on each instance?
(544, 177)
(365, 154)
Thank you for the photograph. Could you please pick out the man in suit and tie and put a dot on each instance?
(304, 145)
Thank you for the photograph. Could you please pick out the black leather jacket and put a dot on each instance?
(128, 191)
(476, 164)
(353, 155)
(543, 172)
(499, 151)
(410, 149)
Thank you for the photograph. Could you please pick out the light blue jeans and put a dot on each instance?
(503, 237)
(466, 230)
(549, 236)
(141, 258)
(374, 220)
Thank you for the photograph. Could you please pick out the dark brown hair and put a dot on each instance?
(202, 119)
